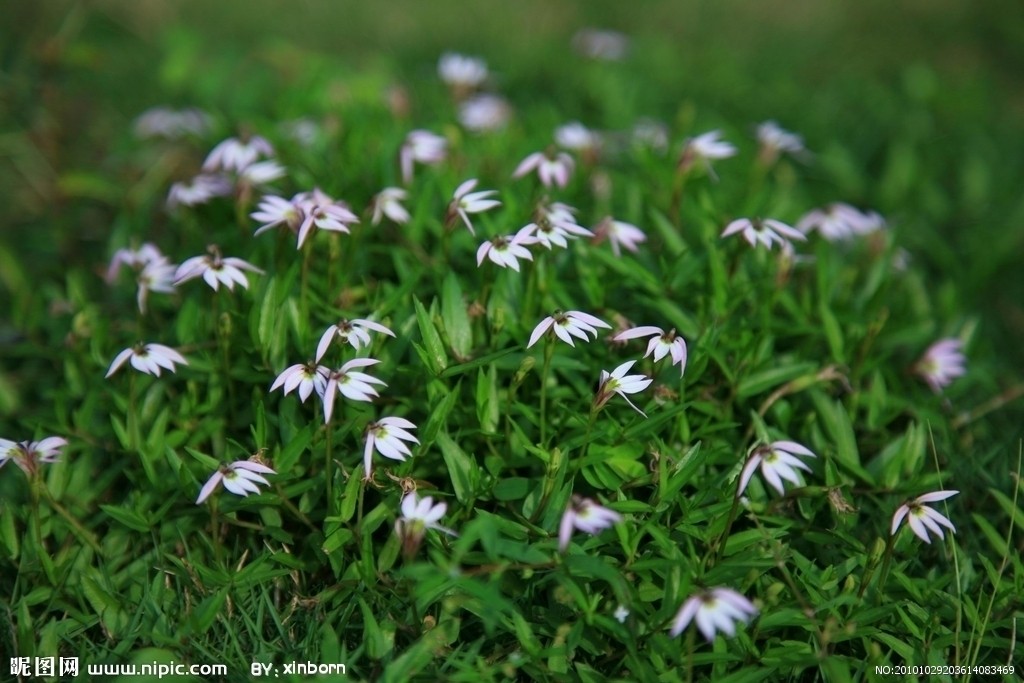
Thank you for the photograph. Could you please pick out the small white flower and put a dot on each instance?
(323, 213)
(273, 211)
(388, 202)
(261, 173)
(662, 343)
(552, 169)
(775, 141)
(387, 435)
(717, 611)
(704, 149)
(148, 358)
(651, 134)
(215, 270)
(568, 325)
(577, 137)
(171, 124)
(555, 225)
(621, 613)
(923, 519)
(778, 461)
(199, 190)
(601, 44)
(419, 515)
(620, 234)
(506, 250)
(461, 72)
(763, 231)
(943, 362)
(483, 113)
(240, 477)
(357, 386)
(308, 377)
(304, 131)
(155, 276)
(465, 202)
(235, 155)
(587, 516)
(618, 382)
(423, 147)
(29, 455)
(840, 221)
(355, 332)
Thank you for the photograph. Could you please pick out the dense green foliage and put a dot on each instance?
(105, 555)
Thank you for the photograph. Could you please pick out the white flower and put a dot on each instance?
(568, 325)
(155, 276)
(650, 133)
(840, 221)
(661, 344)
(234, 155)
(357, 386)
(763, 231)
(169, 123)
(273, 211)
(306, 377)
(942, 363)
(704, 149)
(418, 515)
(261, 173)
(717, 611)
(618, 382)
(555, 225)
(620, 234)
(148, 358)
(505, 250)
(465, 202)
(355, 332)
(387, 435)
(304, 131)
(215, 270)
(423, 147)
(388, 202)
(28, 455)
(601, 44)
(461, 72)
(482, 113)
(322, 212)
(587, 516)
(240, 477)
(621, 613)
(199, 190)
(775, 141)
(577, 137)
(923, 519)
(551, 169)
(778, 461)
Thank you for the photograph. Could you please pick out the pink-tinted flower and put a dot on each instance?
(943, 362)
(587, 516)
(775, 141)
(506, 250)
(839, 221)
(235, 155)
(240, 478)
(778, 461)
(756, 230)
(273, 211)
(148, 358)
(169, 123)
(618, 382)
(619, 234)
(555, 225)
(717, 610)
(388, 202)
(419, 515)
(388, 436)
(307, 378)
(323, 213)
(424, 147)
(354, 385)
(461, 73)
(260, 173)
(355, 332)
(552, 169)
(577, 137)
(923, 519)
(199, 190)
(215, 270)
(568, 325)
(483, 113)
(704, 149)
(29, 455)
(465, 202)
(155, 276)
(662, 343)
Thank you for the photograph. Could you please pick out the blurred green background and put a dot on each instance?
(913, 108)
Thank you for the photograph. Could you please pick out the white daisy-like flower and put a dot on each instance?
(29, 455)
(506, 250)
(307, 378)
(839, 221)
(419, 515)
(775, 141)
(555, 225)
(552, 169)
(717, 610)
(465, 201)
(354, 385)
(199, 190)
(261, 173)
(777, 461)
(619, 234)
(240, 478)
(704, 149)
(170, 123)
(148, 358)
(943, 362)
(355, 332)
(388, 202)
(577, 137)
(483, 113)
(618, 382)
(155, 276)
(568, 325)
(587, 516)
(215, 270)
(235, 155)
(324, 213)
(923, 519)
(274, 211)
(757, 231)
(424, 147)
(387, 435)
(662, 343)
(460, 72)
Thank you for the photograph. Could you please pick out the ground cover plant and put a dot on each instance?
(479, 361)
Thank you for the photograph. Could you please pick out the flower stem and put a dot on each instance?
(549, 350)
(724, 537)
(218, 552)
(329, 465)
(133, 419)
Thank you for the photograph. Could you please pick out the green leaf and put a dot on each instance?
(456, 317)
(461, 468)
(438, 418)
(833, 332)
(130, 518)
(838, 427)
(487, 404)
(760, 382)
(432, 351)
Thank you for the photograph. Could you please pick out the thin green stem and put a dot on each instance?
(549, 350)
(329, 465)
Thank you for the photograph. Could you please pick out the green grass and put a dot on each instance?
(105, 556)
